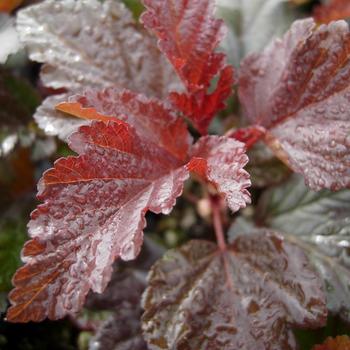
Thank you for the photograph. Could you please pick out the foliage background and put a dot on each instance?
(21, 92)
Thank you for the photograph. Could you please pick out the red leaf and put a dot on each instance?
(188, 35)
(298, 89)
(334, 10)
(150, 118)
(93, 212)
(200, 106)
(220, 161)
(94, 204)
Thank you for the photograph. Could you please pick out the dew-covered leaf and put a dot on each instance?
(247, 297)
(298, 89)
(188, 35)
(319, 222)
(332, 11)
(220, 161)
(253, 24)
(150, 117)
(91, 44)
(8, 37)
(93, 213)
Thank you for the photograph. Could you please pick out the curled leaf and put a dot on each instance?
(212, 159)
(298, 89)
(247, 297)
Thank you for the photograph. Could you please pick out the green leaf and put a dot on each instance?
(12, 237)
(319, 222)
(135, 7)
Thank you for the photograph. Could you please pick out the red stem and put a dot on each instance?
(219, 232)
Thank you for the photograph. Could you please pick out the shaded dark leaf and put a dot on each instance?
(123, 330)
(247, 297)
(319, 222)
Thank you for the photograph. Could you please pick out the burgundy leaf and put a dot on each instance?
(93, 212)
(150, 117)
(188, 35)
(298, 89)
(202, 106)
(220, 161)
(94, 204)
(247, 297)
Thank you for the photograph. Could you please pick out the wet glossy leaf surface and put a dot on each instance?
(188, 35)
(90, 44)
(319, 222)
(109, 187)
(298, 89)
(212, 160)
(247, 297)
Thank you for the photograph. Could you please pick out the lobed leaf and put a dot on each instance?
(124, 169)
(220, 161)
(318, 222)
(332, 11)
(247, 297)
(90, 44)
(298, 89)
(115, 180)
(188, 35)
(150, 117)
